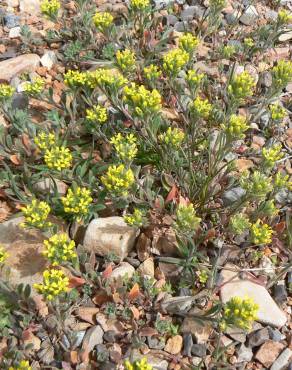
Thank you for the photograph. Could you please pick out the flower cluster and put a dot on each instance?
(172, 137)
(77, 202)
(142, 101)
(97, 114)
(3, 254)
(174, 61)
(236, 126)
(194, 79)
(248, 42)
(272, 154)
(125, 146)
(257, 185)
(118, 179)
(6, 91)
(45, 140)
(102, 21)
(55, 282)
(59, 249)
(239, 223)
(201, 108)
(50, 8)
(228, 51)
(23, 365)
(281, 181)
(188, 42)
(186, 219)
(261, 233)
(58, 158)
(277, 112)
(217, 4)
(284, 17)
(241, 86)
(268, 208)
(239, 312)
(105, 79)
(139, 5)
(136, 218)
(75, 79)
(35, 87)
(36, 214)
(152, 72)
(126, 60)
(282, 74)
(138, 365)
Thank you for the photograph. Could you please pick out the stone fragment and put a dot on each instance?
(14, 32)
(233, 195)
(48, 59)
(153, 360)
(123, 270)
(201, 331)
(11, 20)
(244, 354)
(110, 235)
(174, 345)
(285, 36)
(93, 336)
(280, 293)
(283, 360)
(30, 6)
(268, 352)
(15, 66)
(147, 268)
(237, 334)
(155, 343)
(48, 185)
(199, 350)
(249, 16)
(258, 337)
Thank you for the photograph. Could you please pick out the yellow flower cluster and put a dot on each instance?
(201, 108)
(248, 42)
(241, 86)
(23, 365)
(3, 254)
(118, 179)
(173, 137)
(126, 60)
(261, 233)
(139, 5)
(135, 219)
(50, 7)
(45, 140)
(102, 21)
(239, 312)
(152, 72)
(284, 16)
(239, 223)
(272, 154)
(36, 214)
(6, 91)
(281, 181)
(125, 146)
(282, 74)
(35, 87)
(138, 365)
(217, 4)
(58, 158)
(97, 114)
(236, 126)
(194, 79)
(55, 282)
(268, 208)
(174, 61)
(227, 51)
(75, 79)
(59, 249)
(186, 219)
(277, 112)
(188, 42)
(142, 101)
(105, 78)
(257, 185)
(77, 202)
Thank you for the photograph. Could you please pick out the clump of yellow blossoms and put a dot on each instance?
(272, 154)
(138, 365)
(97, 114)
(239, 223)
(201, 108)
(23, 365)
(75, 79)
(174, 61)
(105, 79)
(77, 202)
(125, 146)
(50, 7)
(58, 158)
(261, 233)
(152, 72)
(284, 17)
(36, 214)
(55, 282)
(236, 126)
(241, 86)
(45, 140)
(239, 312)
(188, 42)
(268, 208)
(118, 179)
(6, 91)
(228, 51)
(172, 137)
(277, 112)
(135, 219)
(142, 101)
(194, 79)
(59, 249)
(248, 42)
(3, 254)
(257, 185)
(102, 21)
(281, 181)
(139, 5)
(126, 60)
(186, 219)
(282, 74)
(35, 87)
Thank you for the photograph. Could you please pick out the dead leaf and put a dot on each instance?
(101, 298)
(15, 160)
(87, 314)
(107, 272)
(76, 281)
(172, 194)
(5, 211)
(25, 141)
(135, 312)
(280, 227)
(243, 164)
(41, 306)
(134, 292)
(147, 331)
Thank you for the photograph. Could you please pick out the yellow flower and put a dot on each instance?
(241, 86)
(97, 114)
(194, 79)
(55, 282)
(174, 61)
(35, 87)
(277, 112)
(282, 74)
(284, 17)
(6, 91)
(261, 233)
(135, 219)
(118, 179)
(102, 21)
(272, 154)
(173, 137)
(227, 51)
(217, 4)
(188, 42)
(45, 140)
(23, 365)
(126, 60)
(50, 7)
(239, 223)
(249, 42)
(105, 79)
(139, 5)
(3, 254)
(77, 202)
(186, 219)
(281, 180)
(58, 158)
(201, 108)
(152, 72)
(36, 214)
(236, 126)
(59, 249)
(75, 79)
(138, 365)
(257, 185)
(125, 146)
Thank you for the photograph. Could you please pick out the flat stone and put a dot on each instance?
(30, 6)
(15, 66)
(285, 36)
(147, 268)
(93, 336)
(237, 334)
(199, 350)
(232, 286)
(48, 185)
(244, 354)
(268, 352)
(174, 345)
(201, 331)
(283, 360)
(123, 270)
(14, 32)
(188, 344)
(258, 337)
(48, 59)
(110, 235)
(11, 20)
(249, 16)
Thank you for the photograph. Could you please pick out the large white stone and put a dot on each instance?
(48, 59)
(249, 16)
(15, 66)
(125, 269)
(232, 286)
(30, 6)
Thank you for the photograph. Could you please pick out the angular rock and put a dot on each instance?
(276, 335)
(11, 20)
(188, 344)
(30, 6)
(123, 270)
(249, 16)
(48, 59)
(268, 352)
(283, 360)
(110, 235)
(258, 337)
(147, 268)
(280, 293)
(15, 66)
(93, 336)
(232, 286)
(14, 32)
(244, 354)
(199, 350)
(286, 36)
(155, 343)
(174, 345)
(237, 334)
(201, 331)
(233, 195)
(48, 185)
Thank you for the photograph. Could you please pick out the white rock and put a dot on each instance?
(286, 36)
(15, 66)
(14, 32)
(232, 286)
(110, 235)
(249, 15)
(30, 6)
(147, 268)
(244, 354)
(12, 3)
(283, 360)
(48, 59)
(125, 269)
(92, 337)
